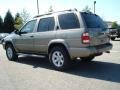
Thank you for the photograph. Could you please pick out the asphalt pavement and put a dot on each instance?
(36, 73)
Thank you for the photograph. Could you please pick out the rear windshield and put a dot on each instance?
(93, 21)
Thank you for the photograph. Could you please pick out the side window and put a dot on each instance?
(29, 27)
(46, 24)
(68, 21)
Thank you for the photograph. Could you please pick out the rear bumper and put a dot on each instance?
(91, 50)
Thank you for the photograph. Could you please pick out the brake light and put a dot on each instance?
(85, 38)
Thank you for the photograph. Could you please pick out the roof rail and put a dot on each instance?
(54, 12)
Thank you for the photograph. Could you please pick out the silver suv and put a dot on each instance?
(62, 36)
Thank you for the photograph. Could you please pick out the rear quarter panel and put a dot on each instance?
(72, 37)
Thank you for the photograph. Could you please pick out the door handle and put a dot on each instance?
(31, 36)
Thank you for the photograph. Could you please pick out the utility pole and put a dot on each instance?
(38, 6)
(94, 6)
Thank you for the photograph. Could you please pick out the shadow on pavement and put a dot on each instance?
(116, 40)
(95, 69)
(99, 70)
(36, 62)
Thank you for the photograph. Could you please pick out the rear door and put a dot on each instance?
(45, 33)
(96, 28)
(70, 29)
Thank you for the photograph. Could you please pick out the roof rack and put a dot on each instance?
(54, 12)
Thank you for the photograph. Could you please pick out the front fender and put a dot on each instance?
(8, 40)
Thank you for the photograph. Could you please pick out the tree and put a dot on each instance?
(18, 21)
(87, 9)
(1, 24)
(25, 16)
(8, 23)
(50, 9)
(115, 25)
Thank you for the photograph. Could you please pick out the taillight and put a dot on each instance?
(85, 38)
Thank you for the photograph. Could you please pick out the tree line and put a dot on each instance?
(9, 23)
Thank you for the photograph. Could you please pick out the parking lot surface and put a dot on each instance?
(35, 73)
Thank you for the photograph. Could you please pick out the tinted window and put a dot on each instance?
(93, 21)
(68, 21)
(29, 27)
(46, 24)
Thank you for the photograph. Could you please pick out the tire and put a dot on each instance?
(87, 59)
(11, 53)
(112, 38)
(59, 58)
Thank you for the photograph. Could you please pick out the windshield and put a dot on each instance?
(93, 21)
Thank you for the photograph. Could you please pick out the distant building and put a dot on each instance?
(109, 23)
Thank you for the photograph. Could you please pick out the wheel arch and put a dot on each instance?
(9, 42)
(60, 43)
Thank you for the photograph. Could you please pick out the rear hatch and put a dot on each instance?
(96, 28)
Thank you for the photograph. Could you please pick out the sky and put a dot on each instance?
(107, 9)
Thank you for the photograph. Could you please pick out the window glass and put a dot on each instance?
(46, 24)
(93, 21)
(29, 27)
(68, 21)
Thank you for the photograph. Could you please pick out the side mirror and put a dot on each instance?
(19, 32)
